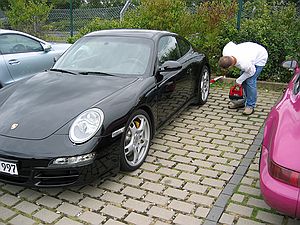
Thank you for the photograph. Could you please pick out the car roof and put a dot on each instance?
(4, 31)
(152, 34)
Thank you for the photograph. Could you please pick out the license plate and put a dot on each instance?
(8, 167)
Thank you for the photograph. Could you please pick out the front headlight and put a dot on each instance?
(86, 125)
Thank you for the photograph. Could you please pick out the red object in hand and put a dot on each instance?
(236, 92)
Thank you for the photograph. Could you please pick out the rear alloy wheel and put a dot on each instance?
(203, 86)
(136, 141)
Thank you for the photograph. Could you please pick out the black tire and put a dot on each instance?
(135, 140)
(203, 85)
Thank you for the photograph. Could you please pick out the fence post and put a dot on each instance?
(71, 18)
(238, 23)
(124, 9)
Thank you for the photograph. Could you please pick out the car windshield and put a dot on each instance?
(107, 55)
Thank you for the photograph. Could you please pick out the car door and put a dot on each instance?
(24, 56)
(174, 88)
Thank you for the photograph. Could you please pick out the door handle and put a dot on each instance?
(13, 62)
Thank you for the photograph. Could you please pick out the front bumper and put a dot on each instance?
(278, 195)
(34, 169)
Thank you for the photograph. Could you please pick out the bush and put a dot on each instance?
(274, 26)
(28, 16)
(171, 15)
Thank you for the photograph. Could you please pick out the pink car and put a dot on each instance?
(280, 154)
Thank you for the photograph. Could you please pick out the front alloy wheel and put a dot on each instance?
(136, 141)
(203, 87)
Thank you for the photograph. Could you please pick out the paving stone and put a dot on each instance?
(92, 218)
(226, 219)
(207, 172)
(172, 182)
(240, 209)
(153, 187)
(161, 213)
(26, 207)
(181, 206)
(201, 199)
(184, 220)
(112, 185)
(91, 203)
(243, 221)
(214, 192)
(249, 190)
(92, 191)
(190, 177)
(195, 187)
(67, 221)
(20, 219)
(150, 176)
(224, 168)
(113, 222)
(131, 180)
(215, 213)
(258, 203)
(203, 163)
(133, 192)
(165, 163)
(269, 217)
(179, 194)
(114, 211)
(202, 212)
(71, 196)
(6, 213)
(30, 194)
(136, 205)
(162, 154)
(9, 199)
(213, 182)
(138, 219)
(225, 176)
(113, 197)
(157, 199)
(49, 201)
(238, 197)
(69, 209)
(185, 167)
(46, 215)
(14, 189)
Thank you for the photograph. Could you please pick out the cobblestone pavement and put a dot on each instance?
(196, 173)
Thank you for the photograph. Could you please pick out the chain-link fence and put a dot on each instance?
(63, 22)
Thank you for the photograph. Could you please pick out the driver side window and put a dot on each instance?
(168, 49)
(15, 43)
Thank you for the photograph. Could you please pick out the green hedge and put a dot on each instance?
(268, 23)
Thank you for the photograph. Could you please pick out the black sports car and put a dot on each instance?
(97, 109)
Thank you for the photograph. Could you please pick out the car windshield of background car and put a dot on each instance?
(108, 55)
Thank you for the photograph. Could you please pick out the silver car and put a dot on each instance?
(23, 55)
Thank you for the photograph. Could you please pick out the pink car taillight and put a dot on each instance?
(284, 175)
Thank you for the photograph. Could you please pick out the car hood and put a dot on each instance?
(45, 102)
(284, 144)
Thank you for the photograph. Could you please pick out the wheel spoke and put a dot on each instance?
(129, 147)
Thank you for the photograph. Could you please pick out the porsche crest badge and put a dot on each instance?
(14, 126)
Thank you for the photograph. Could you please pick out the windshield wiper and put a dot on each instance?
(63, 71)
(95, 72)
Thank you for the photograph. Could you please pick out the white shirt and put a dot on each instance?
(248, 55)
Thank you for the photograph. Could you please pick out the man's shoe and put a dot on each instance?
(236, 106)
(248, 111)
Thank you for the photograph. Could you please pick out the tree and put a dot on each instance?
(28, 15)
(65, 4)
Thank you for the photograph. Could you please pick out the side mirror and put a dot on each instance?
(47, 47)
(169, 66)
(291, 64)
